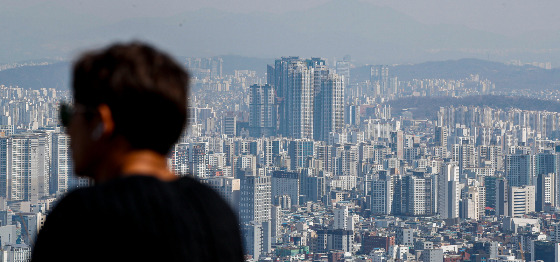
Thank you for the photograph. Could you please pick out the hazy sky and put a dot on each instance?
(499, 16)
(33, 29)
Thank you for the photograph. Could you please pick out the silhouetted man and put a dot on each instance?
(129, 109)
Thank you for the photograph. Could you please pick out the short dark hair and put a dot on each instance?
(145, 89)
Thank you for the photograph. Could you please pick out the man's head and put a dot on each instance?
(127, 93)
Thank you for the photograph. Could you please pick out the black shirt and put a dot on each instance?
(141, 218)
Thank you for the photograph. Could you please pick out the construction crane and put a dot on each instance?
(24, 224)
(521, 250)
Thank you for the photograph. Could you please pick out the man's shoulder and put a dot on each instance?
(142, 188)
(73, 199)
(186, 194)
(170, 213)
(192, 183)
(192, 188)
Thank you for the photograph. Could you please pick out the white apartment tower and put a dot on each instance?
(448, 191)
(300, 91)
(24, 167)
(381, 196)
(472, 203)
(328, 105)
(521, 200)
(61, 167)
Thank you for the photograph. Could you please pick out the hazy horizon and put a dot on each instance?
(388, 32)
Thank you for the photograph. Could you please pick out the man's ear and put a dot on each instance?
(106, 119)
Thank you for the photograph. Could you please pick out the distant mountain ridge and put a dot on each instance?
(56, 75)
(427, 107)
(504, 76)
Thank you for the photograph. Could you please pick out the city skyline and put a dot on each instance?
(363, 187)
(336, 130)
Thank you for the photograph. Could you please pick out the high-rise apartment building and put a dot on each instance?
(337, 239)
(448, 191)
(352, 115)
(24, 167)
(397, 143)
(342, 218)
(380, 77)
(345, 160)
(416, 195)
(519, 169)
(314, 187)
(300, 151)
(404, 236)
(343, 68)
(521, 200)
(381, 195)
(275, 222)
(229, 124)
(299, 103)
(254, 214)
(244, 165)
(440, 136)
(262, 111)
(62, 177)
(491, 155)
(61, 167)
(329, 106)
(285, 184)
(310, 98)
(502, 197)
(545, 187)
(255, 200)
(190, 158)
(464, 154)
(472, 202)
(549, 163)
(277, 76)
(490, 188)
(205, 67)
